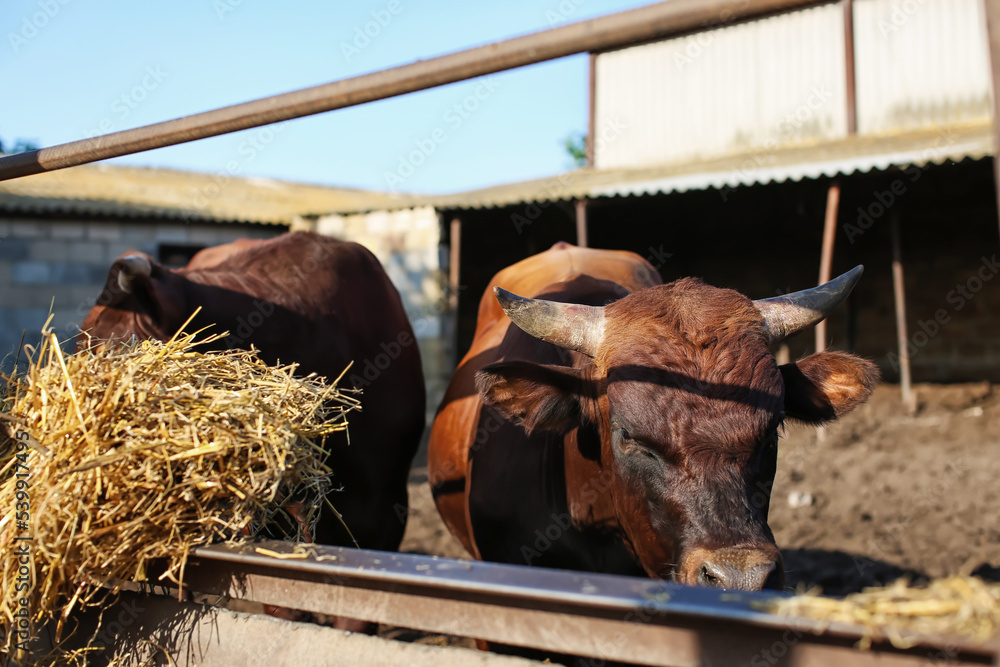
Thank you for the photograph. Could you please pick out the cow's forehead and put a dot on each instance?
(690, 362)
(670, 407)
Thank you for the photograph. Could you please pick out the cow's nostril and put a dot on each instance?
(711, 575)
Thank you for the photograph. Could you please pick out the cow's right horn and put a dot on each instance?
(570, 325)
(791, 313)
(131, 266)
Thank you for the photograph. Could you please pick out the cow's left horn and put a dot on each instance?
(570, 325)
(791, 313)
(132, 266)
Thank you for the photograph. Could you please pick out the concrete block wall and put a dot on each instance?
(407, 243)
(62, 264)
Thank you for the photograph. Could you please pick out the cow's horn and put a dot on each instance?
(569, 325)
(130, 267)
(791, 313)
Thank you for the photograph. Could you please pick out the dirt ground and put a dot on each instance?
(878, 495)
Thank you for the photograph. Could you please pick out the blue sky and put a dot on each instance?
(71, 68)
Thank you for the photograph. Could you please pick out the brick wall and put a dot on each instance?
(62, 264)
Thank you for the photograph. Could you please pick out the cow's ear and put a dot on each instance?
(135, 277)
(827, 385)
(537, 396)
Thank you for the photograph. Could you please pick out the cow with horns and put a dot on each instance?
(627, 426)
(311, 300)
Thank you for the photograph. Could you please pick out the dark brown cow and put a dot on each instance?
(207, 257)
(312, 300)
(634, 427)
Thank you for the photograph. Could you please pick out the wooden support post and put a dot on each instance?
(992, 8)
(899, 292)
(581, 223)
(454, 274)
(826, 254)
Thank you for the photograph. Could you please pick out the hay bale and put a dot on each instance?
(960, 606)
(143, 452)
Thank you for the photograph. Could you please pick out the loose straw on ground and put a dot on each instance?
(142, 452)
(966, 607)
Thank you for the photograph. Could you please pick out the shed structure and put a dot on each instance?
(713, 154)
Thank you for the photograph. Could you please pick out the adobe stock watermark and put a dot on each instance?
(902, 12)
(957, 298)
(34, 23)
(248, 150)
(223, 7)
(869, 214)
(698, 43)
(880, 545)
(123, 105)
(554, 189)
(563, 11)
(426, 146)
(363, 35)
(109, 631)
(819, 97)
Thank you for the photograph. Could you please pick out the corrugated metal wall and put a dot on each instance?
(920, 63)
(756, 85)
(763, 85)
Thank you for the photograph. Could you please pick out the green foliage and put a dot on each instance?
(19, 146)
(576, 145)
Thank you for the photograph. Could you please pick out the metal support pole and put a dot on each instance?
(826, 254)
(852, 105)
(992, 8)
(591, 109)
(899, 293)
(581, 223)
(454, 275)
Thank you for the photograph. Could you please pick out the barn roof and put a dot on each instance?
(141, 192)
(816, 160)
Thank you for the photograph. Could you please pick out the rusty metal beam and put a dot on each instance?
(607, 32)
(608, 617)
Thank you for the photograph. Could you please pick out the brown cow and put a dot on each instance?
(216, 254)
(629, 426)
(316, 301)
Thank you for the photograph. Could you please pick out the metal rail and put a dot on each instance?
(598, 34)
(606, 617)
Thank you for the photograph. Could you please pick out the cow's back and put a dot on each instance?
(462, 424)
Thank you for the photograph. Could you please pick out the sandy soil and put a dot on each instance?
(878, 495)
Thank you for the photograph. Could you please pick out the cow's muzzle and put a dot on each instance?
(734, 568)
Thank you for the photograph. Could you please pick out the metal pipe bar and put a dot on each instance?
(602, 33)
(643, 621)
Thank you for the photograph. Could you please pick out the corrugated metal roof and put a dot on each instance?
(841, 157)
(138, 192)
